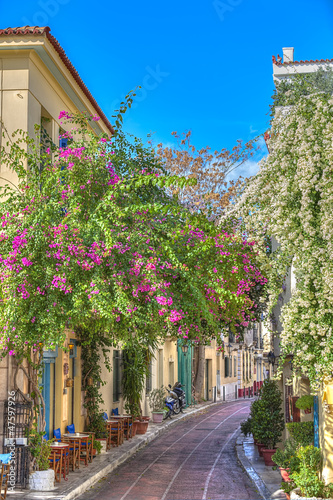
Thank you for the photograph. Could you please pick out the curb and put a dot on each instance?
(253, 475)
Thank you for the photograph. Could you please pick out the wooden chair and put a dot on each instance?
(59, 462)
(114, 434)
(55, 460)
(128, 425)
(4, 475)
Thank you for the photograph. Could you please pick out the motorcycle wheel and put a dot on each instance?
(166, 413)
(176, 408)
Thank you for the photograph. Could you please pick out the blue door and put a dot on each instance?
(48, 393)
(316, 421)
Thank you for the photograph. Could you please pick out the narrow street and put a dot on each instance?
(194, 460)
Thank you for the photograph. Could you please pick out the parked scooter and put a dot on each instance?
(177, 388)
(171, 404)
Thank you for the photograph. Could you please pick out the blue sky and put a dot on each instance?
(203, 65)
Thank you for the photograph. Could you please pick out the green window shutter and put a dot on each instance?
(226, 366)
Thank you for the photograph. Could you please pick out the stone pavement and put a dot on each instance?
(267, 480)
(82, 479)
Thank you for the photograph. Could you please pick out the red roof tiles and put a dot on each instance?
(278, 61)
(45, 31)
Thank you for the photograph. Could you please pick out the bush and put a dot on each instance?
(267, 417)
(301, 432)
(287, 458)
(246, 427)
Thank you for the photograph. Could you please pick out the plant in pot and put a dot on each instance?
(305, 403)
(136, 357)
(246, 427)
(307, 477)
(42, 479)
(268, 419)
(156, 403)
(287, 459)
(255, 423)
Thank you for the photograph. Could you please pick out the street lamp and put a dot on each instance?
(229, 347)
(271, 358)
(184, 349)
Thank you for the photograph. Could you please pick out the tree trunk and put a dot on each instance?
(200, 372)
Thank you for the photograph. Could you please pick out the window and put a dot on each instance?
(230, 367)
(226, 366)
(116, 375)
(149, 378)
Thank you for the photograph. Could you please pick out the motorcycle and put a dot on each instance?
(170, 402)
(177, 388)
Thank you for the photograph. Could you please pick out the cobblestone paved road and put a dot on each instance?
(194, 460)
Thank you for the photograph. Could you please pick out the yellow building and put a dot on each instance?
(37, 81)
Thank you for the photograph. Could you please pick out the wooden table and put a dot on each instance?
(83, 443)
(60, 458)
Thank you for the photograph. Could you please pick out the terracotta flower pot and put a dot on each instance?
(260, 446)
(145, 418)
(307, 410)
(157, 417)
(267, 454)
(285, 475)
(134, 428)
(142, 426)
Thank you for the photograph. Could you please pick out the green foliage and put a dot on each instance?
(301, 432)
(136, 356)
(287, 458)
(307, 478)
(99, 241)
(304, 402)
(246, 427)
(40, 449)
(94, 343)
(288, 92)
(156, 399)
(267, 416)
(287, 487)
(98, 446)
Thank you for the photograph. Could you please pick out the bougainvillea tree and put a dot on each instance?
(291, 199)
(90, 236)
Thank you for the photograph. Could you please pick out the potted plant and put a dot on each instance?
(42, 479)
(136, 356)
(305, 403)
(97, 447)
(268, 419)
(286, 459)
(308, 475)
(246, 427)
(156, 403)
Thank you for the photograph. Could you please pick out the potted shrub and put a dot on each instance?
(305, 403)
(246, 427)
(307, 477)
(268, 419)
(156, 403)
(42, 479)
(287, 459)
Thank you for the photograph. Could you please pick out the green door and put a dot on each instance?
(185, 371)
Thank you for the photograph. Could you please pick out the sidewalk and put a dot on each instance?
(82, 479)
(266, 480)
